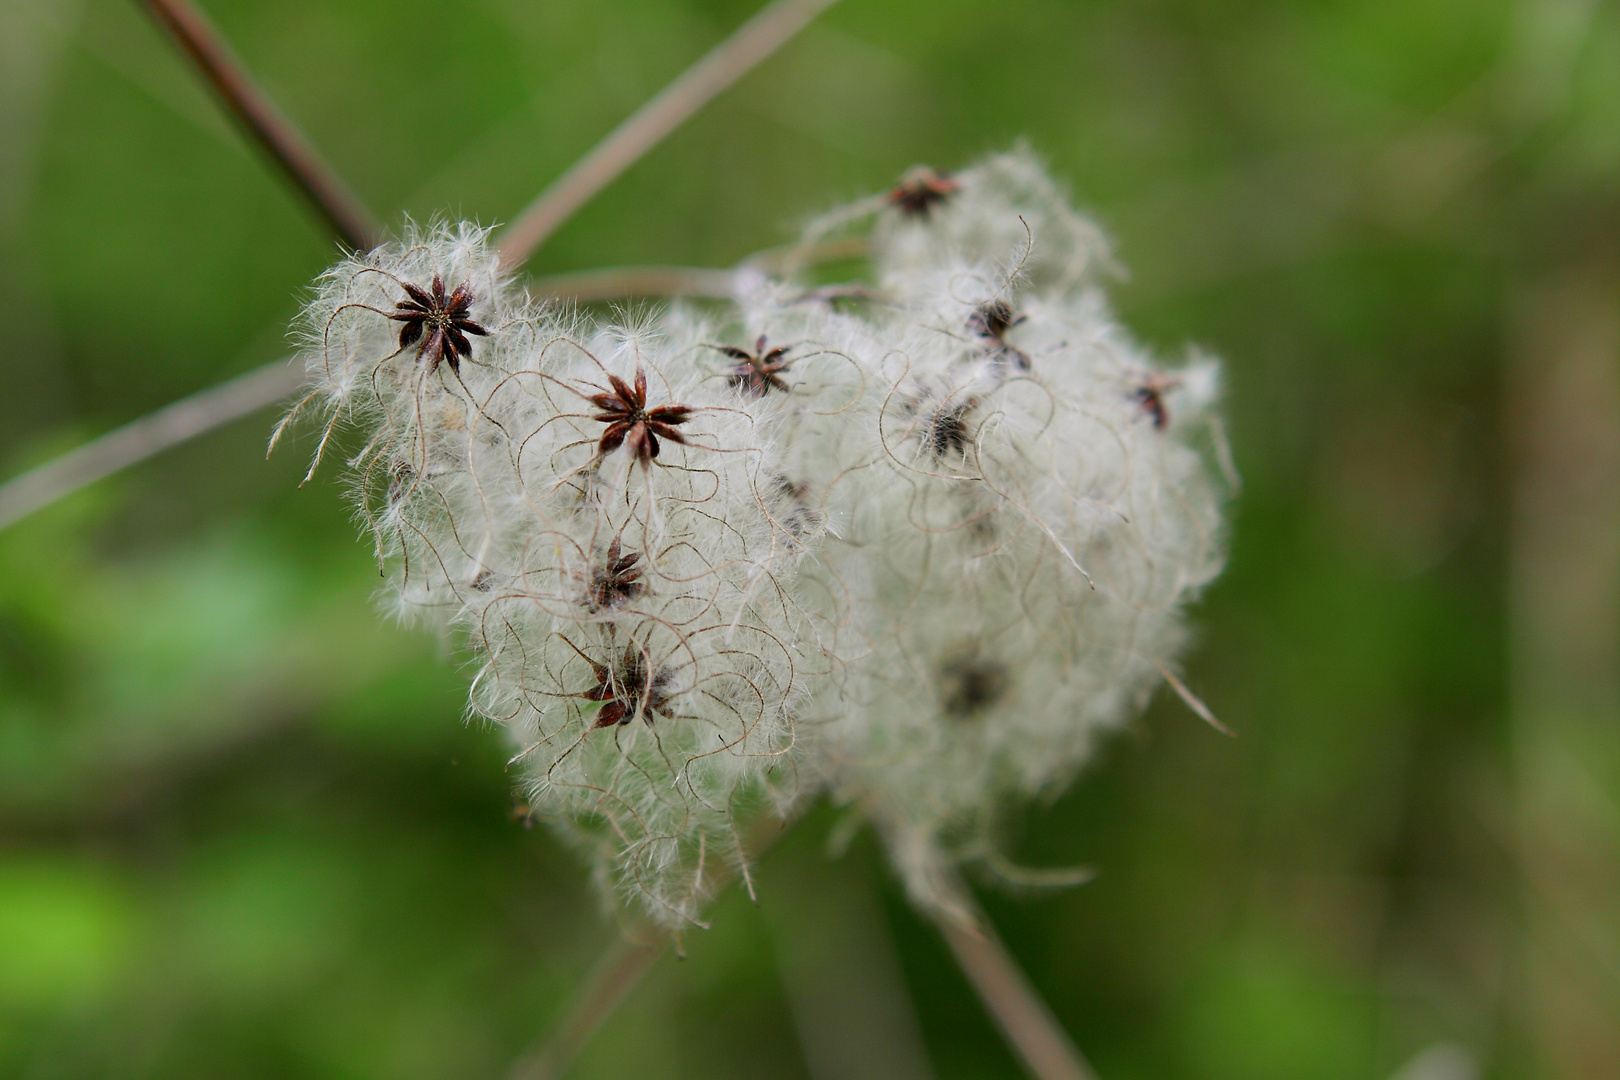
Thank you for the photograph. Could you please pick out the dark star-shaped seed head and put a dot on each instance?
(626, 687)
(990, 321)
(630, 423)
(615, 580)
(920, 190)
(946, 430)
(970, 684)
(757, 373)
(1150, 395)
(440, 322)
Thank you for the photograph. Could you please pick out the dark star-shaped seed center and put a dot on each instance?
(440, 322)
(615, 581)
(630, 423)
(626, 687)
(990, 322)
(920, 190)
(757, 372)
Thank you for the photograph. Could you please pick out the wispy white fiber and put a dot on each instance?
(925, 564)
(632, 616)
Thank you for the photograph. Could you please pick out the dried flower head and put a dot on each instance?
(757, 373)
(919, 191)
(592, 596)
(928, 578)
(1015, 546)
(629, 421)
(441, 322)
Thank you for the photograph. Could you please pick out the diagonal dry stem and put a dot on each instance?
(208, 409)
(275, 133)
(616, 974)
(1024, 1019)
(616, 282)
(151, 434)
(620, 970)
(723, 65)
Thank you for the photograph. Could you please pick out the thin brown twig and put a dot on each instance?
(151, 434)
(1024, 1019)
(614, 282)
(208, 409)
(276, 135)
(616, 974)
(793, 257)
(723, 65)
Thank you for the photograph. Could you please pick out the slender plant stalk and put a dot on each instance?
(614, 282)
(1024, 1019)
(723, 65)
(276, 135)
(151, 434)
(793, 257)
(208, 409)
(617, 973)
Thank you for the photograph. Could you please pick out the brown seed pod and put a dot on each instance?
(920, 190)
(441, 322)
(629, 421)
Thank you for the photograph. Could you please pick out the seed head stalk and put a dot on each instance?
(770, 28)
(279, 138)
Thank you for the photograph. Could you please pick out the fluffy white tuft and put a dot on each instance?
(633, 615)
(926, 562)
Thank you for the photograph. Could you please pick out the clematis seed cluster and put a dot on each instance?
(914, 542)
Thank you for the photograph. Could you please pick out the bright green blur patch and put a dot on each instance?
(1264, 1011)
(269, 914)
(66, 935)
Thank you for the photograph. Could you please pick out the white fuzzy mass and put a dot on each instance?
(923, 564)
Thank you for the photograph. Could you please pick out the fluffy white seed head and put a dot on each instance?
(1018, 518)
(984, 213)
(600, 512)
(921, 547)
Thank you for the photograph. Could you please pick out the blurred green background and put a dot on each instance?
(246, 832)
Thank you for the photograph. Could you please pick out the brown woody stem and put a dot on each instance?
(147, 436)
(616, 974)
(723, 65)
(1024, 1019)
(612, 283)
(276, 135)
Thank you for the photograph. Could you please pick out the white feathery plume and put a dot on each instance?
(1017, 517)
(923, 551)
(627, 595)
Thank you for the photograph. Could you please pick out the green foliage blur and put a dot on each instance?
(245, 829)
